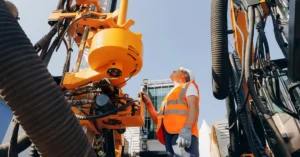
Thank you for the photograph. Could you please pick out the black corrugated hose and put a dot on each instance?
(219, 48)
(34, 97)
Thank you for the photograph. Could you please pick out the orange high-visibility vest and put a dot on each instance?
(173, 113)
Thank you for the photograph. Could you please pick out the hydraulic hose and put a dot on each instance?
(12, 152)
(252, 138)
(233, 131)
(279, 38)
(33, 96)
(22, 144)
(250, 84)
(243, 55)
(49, 54)
(219, 48)
(113, 5)
(61, 4)
(46, 39)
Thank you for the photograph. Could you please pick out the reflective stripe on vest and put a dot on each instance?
(178, 112)
(176, 102)
(180, 100)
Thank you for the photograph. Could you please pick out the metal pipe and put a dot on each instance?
(123, 12)
(81, 48)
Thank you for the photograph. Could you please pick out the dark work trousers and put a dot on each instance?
(170, 144)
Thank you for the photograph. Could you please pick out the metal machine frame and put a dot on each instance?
(253, 83)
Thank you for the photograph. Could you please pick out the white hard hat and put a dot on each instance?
(189, 72)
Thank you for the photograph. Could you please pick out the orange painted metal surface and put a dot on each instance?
(119, 142)
(118, 48)
(111, 46)
(125, 117)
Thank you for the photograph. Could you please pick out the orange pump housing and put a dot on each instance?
(116, 48)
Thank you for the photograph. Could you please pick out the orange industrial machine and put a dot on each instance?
(262, 95)
(109, 54)
(114, 53)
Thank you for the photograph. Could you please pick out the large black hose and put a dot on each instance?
(22, 144)
(219, 48)
(33, 96)
(250, 84)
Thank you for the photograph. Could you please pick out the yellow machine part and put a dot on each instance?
(111, 49)
(119, 49)
(115, 53)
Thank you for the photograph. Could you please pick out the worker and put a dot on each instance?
(176, 121)
(13, 9)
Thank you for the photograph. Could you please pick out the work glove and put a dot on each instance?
(184, 138)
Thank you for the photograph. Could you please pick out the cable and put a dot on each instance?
(71, 23)
(55, 43)
(50, 51)
(243, 55)
(124, 81)
(252, 92)
(113, 5)
(242, 111)
(46, 39)
(61, 4)
(263, 39)
(131, 74)
(68, 7)
(248, 59)
(94, 120)
(278, 36)
(12, 151)
(277, 102)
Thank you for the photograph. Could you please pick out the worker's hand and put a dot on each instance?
(184, 138)
(146, 99)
